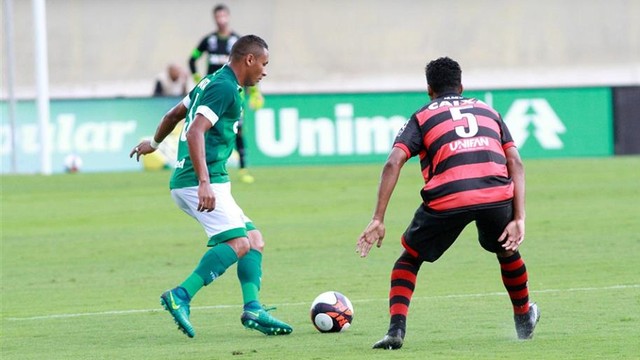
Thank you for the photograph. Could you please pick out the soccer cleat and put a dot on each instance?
(245, 177)
(178, 306)
(262, 321)
(526, 323)
(392, 341)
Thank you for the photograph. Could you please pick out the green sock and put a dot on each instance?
(212, 265)
(249, 274)
(192, 284)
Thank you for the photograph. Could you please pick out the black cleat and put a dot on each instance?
(525, 324)
(392, 341)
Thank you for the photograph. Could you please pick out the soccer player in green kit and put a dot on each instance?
(200, 185)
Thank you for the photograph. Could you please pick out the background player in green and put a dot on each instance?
(218, 46)
(200, 185)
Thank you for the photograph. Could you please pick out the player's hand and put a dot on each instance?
(143, 148)
(206, 198)
(256, 100)
(513, 235)
(196, 77)
(374, 233)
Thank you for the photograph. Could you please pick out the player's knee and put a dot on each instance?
(255, 240)
(491, 246)
(240, 245)
(505, 253)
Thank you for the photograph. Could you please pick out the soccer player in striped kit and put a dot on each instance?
(472, 172)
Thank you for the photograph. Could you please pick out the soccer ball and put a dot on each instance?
(72, 163)
(331, 312)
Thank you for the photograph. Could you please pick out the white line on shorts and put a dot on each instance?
(452, 296)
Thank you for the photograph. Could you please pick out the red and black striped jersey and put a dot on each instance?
(461, 143)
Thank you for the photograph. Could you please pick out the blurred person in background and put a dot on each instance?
(218, 46)
(174, 81)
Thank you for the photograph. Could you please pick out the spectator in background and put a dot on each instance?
(172, 82)
(218, 45)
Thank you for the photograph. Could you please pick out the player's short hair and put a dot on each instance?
(248, 44)
(443, 74)
(220, 7)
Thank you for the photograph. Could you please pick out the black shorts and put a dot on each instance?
(430, 233)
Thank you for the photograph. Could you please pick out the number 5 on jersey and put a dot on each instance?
(457, 114)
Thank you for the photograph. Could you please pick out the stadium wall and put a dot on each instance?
(325, 128)
(115, 48)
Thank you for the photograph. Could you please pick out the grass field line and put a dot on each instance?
(452, 296)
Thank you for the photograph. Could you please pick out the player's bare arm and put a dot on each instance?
(195, 139)
(513, 234)
(375, 231)
(168, 123)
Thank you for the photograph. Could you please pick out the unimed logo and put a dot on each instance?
(535, 117)
(341, 134)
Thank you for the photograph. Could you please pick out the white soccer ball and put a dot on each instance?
(331, 311)
(72, 163)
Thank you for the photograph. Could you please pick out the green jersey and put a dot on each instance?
(219, 98)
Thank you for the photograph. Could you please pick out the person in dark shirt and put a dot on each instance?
(218, 46)
(472, 172)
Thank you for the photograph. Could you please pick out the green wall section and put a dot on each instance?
(309, 128)
(355, 128)
(100, 131)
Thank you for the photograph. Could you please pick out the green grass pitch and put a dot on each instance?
(86, 256)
